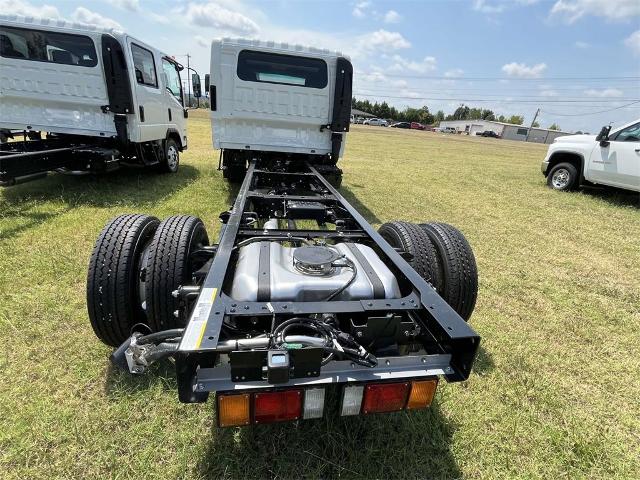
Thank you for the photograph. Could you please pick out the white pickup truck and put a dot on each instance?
(611, 158)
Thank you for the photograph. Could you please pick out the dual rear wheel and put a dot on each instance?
(136, 264)
(441, 255)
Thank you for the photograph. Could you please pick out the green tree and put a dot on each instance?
(461, 113)
(438, 117)
(536, 124)
(516, 119)
(554, 127)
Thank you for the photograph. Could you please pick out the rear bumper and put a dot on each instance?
(336, 372)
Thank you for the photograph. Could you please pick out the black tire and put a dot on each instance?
(112, 282)
(563, 177)
(411, 239)
(459, 272)
(171, 158)
(168, 266)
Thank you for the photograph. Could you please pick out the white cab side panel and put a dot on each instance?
(54, 97)
(267, 116)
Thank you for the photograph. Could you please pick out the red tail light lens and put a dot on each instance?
(277, 406)
(384, 397)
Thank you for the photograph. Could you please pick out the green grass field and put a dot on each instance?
(554, 393)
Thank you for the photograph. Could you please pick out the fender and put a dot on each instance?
(553, 160)
(172, 132)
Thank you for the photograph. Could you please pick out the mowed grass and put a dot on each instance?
(554, 393)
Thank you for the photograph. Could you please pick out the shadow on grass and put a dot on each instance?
(615, 196)
(26, 204)
(483, 363)
(359, 206)
(402, 445)
(119, 383)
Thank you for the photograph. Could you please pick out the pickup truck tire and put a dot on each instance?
(168, 266)
(411, 239)
(459, 272)
(563, 177)
(171, 159)
(112, 282)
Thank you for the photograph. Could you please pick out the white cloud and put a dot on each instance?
(548, 93)
(522, 70)
(580, 44)
(454, 73)
(211, 14)
(572, 10)
(201, 41)
(484, 7)
(606, 93)
(131, 5)
(360, 9)
(158, 18)
(383, 41)
(428, 64)
(85, 15)
(392, 17)
(633, 42)
(25, 9)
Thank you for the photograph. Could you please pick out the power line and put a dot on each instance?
(479, 78)
(543, 97)
(505, 100)
(589, 113)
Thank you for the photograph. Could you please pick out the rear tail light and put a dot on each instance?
(233, 410)
(352, 400)
(385, 397)
(422, 393)
(238, 409)
(313, 403)
(277, 406)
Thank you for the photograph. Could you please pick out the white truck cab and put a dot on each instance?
(610, 158)
(276, 100)
(101, 88)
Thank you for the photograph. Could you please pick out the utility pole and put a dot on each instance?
(189, 81)
(532, 122)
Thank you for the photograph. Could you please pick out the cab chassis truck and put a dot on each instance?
(300, 294)
(78, 99)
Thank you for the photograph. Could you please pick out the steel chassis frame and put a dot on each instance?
(453, 341)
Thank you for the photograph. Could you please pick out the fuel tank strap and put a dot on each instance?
(376, 283)
(264, 272)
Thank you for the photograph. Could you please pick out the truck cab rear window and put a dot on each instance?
(265, 67)
(43, 46)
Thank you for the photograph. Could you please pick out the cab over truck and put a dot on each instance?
(299, 295)
(84, 99)
(612, 158)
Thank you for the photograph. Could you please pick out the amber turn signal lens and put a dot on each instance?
(422, 393)
(233, 410)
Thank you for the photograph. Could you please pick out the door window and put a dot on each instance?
(144, 65)
(173, 79)
(629, 134)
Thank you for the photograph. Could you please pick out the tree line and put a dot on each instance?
(424, 116)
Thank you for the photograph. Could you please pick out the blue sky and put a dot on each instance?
(567, 57)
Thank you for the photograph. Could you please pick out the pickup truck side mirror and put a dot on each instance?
(603, 136)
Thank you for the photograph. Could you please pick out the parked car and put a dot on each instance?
(488, 133)
(449, 130)
(377, 122)
(417, 126)
(610, 158)
(401, 125)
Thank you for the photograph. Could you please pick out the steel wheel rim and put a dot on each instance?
(561, 178)
(172, 157)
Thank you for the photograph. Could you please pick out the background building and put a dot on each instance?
(505, 130)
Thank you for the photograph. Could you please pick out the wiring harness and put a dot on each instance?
(337, 344)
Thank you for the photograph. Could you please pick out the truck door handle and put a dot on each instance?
(637, 149)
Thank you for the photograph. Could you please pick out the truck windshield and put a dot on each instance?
(276, 68)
